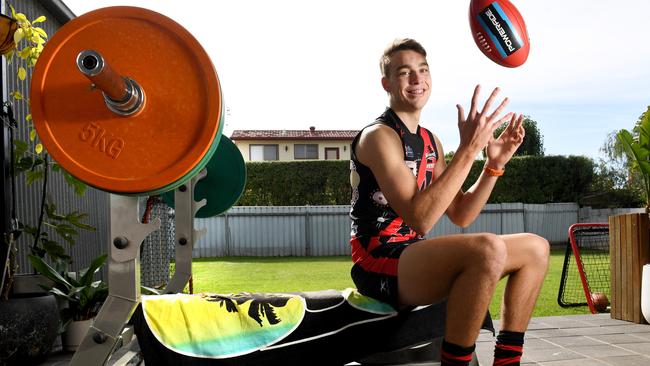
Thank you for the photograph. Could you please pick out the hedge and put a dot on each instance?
(528, 179)
(540, 179)
(297, 183)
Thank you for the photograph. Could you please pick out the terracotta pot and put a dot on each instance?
(75, 333)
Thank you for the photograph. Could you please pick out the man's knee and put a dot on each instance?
(492, 253)
(540, 249)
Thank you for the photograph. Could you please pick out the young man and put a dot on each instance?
(401, 188)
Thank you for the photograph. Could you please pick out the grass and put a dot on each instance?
(288, 274)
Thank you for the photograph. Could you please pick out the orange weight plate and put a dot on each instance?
(137, 154)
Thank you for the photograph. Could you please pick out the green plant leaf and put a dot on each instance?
(643, 127)
(32, 135)
(56, 292)
(40, 19)
(20, 17)
(50, 210)
(54, 250)
(20, 147)
(639, 155)
(78, 186)
(92, 269)
(16, 95)
(32, 176)
(43, 268)
(75, 218)
(67, 232)
(25, 52)
(40, 31)
(634, 150)
(22, 73)
(23, 164)
(9, 56)
(19, 35)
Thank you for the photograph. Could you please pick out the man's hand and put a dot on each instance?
(478, 129)
(500, 150)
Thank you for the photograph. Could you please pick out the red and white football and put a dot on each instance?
(499, 31)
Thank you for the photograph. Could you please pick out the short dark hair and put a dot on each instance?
(399, 45)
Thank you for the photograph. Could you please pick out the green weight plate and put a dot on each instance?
(224, 183)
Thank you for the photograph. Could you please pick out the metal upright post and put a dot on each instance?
(127, 233)
(185, 208)
(5, 182)
(5, 203)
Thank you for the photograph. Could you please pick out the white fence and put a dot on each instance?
(325, 230)
(587, 214)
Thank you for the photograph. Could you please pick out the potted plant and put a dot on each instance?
(25, 308)
(630, 233)
(82, 294)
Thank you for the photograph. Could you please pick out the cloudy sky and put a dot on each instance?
(291, 64)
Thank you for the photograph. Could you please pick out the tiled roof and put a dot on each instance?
(311, 134)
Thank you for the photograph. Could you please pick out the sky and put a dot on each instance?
(292, 64)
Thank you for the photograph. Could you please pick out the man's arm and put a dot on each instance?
(467, 205)
(380, 149)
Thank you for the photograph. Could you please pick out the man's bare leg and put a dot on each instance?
(526, 266)
(462, 268)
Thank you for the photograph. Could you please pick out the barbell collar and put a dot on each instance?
(122, 95)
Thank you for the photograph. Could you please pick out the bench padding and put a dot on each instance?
(325, 327)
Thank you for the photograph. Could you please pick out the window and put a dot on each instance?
(263, 152)
(305, 151)
(331, 153)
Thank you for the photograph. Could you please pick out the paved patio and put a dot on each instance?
(583, 340)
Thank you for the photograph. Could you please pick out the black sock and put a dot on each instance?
(508, 349)
(455, 355)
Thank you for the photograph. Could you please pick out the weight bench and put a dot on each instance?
(320, 328)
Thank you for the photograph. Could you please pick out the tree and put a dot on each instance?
(533, 142)
(615, 183)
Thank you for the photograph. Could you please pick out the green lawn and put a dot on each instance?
(287, 274)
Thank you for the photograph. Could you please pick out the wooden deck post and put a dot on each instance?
(629, 251)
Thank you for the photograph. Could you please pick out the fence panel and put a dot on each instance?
(551, 220)
(325, 230)
(587, 214)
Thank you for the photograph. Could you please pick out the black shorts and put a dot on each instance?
(376, 275)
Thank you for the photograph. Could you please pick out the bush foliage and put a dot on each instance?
(528, 179)
(297, 183)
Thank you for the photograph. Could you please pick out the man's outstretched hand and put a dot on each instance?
(500, 150)
(477, 130)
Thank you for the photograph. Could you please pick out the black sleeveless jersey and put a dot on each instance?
(372, 216)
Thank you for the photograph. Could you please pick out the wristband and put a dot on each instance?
(494, 172)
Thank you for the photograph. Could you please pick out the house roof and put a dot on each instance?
(311, 134)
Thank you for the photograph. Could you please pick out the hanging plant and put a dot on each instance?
(22, 46)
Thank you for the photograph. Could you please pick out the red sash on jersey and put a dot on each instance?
(424, 161)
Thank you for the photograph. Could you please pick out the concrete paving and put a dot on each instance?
(582, 340)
